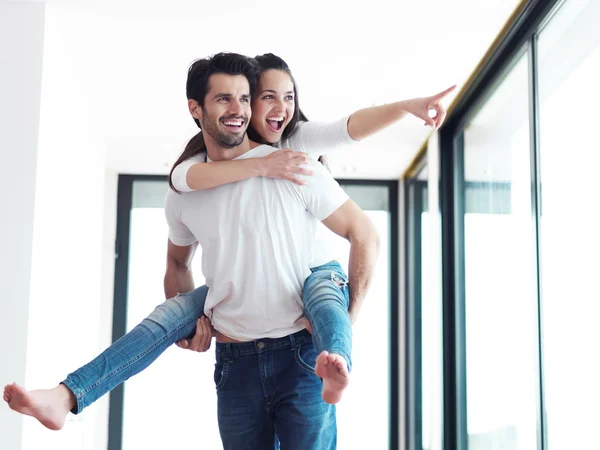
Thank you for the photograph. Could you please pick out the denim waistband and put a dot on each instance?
(331, 265)
(226, 351)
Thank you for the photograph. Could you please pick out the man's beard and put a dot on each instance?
(210, 127)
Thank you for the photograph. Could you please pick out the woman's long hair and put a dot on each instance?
(269, 61)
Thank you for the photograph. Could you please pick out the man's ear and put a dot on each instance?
(195, 109)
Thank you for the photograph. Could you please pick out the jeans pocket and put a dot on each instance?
(306, 352)
(220, 375)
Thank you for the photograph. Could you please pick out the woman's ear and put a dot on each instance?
(195, 109)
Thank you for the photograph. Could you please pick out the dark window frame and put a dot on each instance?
(519, 36)
(415, 202)
(124, 206)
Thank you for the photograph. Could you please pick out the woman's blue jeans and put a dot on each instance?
(326, 301)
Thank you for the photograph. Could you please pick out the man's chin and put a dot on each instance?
(229, 139)
(232, 142)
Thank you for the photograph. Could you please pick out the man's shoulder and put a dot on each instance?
(179, 199)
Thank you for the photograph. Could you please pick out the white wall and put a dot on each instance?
(21, 50)
(73, 242)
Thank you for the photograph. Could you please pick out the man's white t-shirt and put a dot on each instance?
(313, 138)
(257, 242)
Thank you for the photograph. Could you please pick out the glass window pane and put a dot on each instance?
(500, 301)
(423, 314)
(173, 402)
(369, 362)
(569, 70)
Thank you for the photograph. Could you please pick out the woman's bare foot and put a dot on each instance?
(49, 406)
(333, 369)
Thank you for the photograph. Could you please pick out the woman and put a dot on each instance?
(276, 119)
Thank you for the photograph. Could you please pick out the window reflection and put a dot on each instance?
(500, 301)
(569, 70)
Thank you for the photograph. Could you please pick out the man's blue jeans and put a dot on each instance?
(326, 306)
(269, 396)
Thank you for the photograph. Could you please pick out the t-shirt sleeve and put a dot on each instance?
(318, 139)
(179, 175)
(322, 195)
(179, 233)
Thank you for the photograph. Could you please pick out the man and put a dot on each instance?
(256, 238)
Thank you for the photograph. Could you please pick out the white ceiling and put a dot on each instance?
(134, 55)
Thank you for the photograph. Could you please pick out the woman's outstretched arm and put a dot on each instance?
(368, 121)
(318, 139)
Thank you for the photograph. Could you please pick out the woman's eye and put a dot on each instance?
(289, 98)
(268, 97)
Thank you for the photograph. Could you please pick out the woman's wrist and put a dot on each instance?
(259, 166)
(406, 106)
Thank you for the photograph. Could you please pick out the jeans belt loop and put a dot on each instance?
(228, 353)
(292, 342)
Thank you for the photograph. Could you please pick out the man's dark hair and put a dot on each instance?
(200, 71)
(197, 86)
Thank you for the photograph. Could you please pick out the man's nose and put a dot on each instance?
(235, 108)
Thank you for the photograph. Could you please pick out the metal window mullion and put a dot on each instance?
(459, 299)
(452, 217)
(413, 317)
(394, 312)
(534, 130)
(124, 206)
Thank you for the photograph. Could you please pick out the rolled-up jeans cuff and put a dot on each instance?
(78, 393)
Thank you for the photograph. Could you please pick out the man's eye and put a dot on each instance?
(224, 99)
(245, 100)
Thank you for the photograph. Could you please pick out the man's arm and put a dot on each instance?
(178, 277)
(351, 223)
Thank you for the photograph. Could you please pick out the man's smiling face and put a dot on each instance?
(226, 111)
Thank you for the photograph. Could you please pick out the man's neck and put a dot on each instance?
(217, 153)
